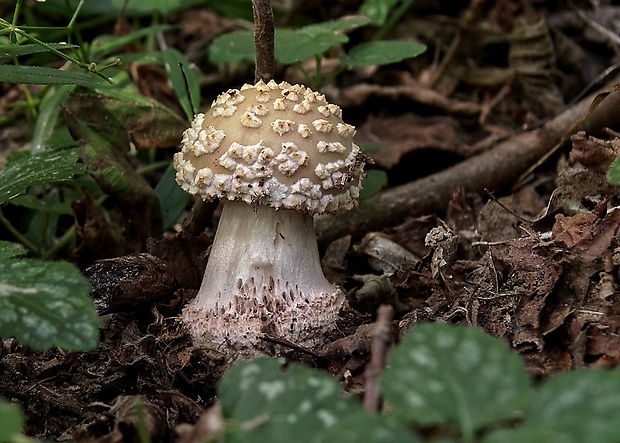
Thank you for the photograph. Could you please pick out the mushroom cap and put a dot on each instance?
(275, 144)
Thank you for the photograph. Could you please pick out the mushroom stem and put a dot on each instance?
(263, 276)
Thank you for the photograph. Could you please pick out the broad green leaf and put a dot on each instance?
(49, 110)
(446, 374)
(300, 45)
(10, 250)
(9, 51)
(370, 428)
(269, 405)
(528, 435)
(382, 52)
(375, 180)
(11, 421)
(183, 77)
(172, 198)
(583, 404)
(45, 304)
(24, 170)
(233, 47)
(377, 10)
(613, 174)
(41, 75)
(291, 46)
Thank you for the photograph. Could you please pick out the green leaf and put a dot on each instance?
(271, 406)
(442, 373)
(370, 428)
(342, 24)
(49, 110)
(179, 70)
(41, 75)
(375, 180)
(523, 435)
(291, 46)
(583, 404)
(11, 421)
(10, 250)
(45, 304)
(233, 47)
(377, 10)
(613, 174)
(382, 52)
(172, 198)
(300, 45)
(24, 170)
(9, 51)
(108, 44)
(149, 6)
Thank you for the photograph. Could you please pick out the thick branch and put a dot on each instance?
(263, 40)
(494, 169)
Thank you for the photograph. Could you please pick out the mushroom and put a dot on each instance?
(275, 154)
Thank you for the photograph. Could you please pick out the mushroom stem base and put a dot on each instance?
(263, 277)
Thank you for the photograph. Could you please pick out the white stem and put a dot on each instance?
(263, 276)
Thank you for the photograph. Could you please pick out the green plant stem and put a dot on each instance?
(393, 19)
(18, 235)
(61, 244)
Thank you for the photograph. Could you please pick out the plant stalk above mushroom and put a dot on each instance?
(275, 154)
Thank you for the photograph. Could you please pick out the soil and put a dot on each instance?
(533, 260)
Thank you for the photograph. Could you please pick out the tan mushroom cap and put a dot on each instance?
(276, 144)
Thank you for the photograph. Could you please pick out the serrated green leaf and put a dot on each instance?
(613, 174)
(24, 170)
(269, 405)
(41, 75)
(172, 198)
(375, 180)
(9, 51)
(184, 81)
(583, 404)
(382, 52)
(10, 250)
(233, 47)
(11, 421)
(45, 304)
(446, 374)
(377, 10)
(300, 45)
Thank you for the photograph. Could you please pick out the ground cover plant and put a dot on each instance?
(488, 223)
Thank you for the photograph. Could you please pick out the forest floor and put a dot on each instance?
(463, 232)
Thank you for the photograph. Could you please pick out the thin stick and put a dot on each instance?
(263, 40)
(381, 338)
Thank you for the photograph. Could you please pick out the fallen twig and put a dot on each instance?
(381, 339)
(493, 169)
